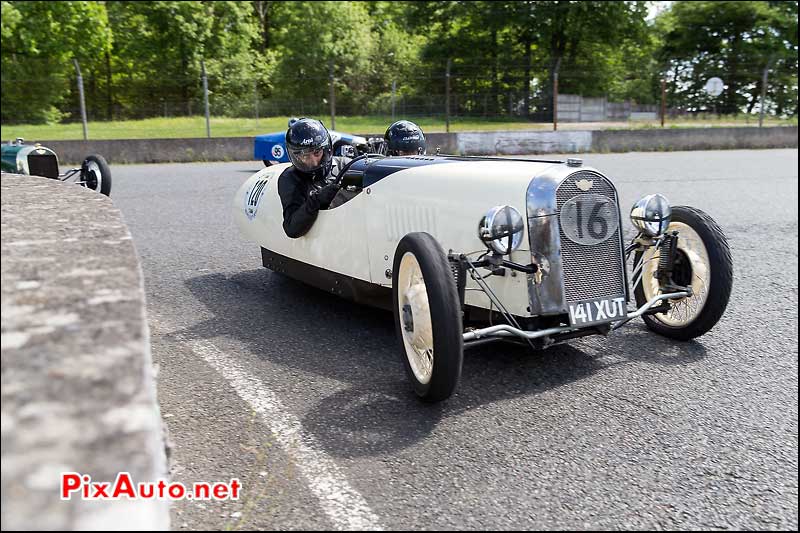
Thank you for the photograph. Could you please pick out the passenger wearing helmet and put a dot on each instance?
(404, 138)
(306, 186)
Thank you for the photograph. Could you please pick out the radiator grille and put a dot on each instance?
(43, 165)
(590, 271)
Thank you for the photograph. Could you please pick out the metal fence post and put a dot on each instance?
(255, 99)
(394, 89)
(205, 98)
(447, 96)
(555, 101)
(83, 101)
(663, 100)
(333, 98)
(763, 94)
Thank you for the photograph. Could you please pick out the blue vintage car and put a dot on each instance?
(271, 147)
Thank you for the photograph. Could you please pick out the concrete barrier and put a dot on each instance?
(156, 150)
(446, 142)
(78, 391)
(667, 140)
(523, 142)
(464, 143)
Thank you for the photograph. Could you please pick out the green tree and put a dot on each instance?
(235, 67)
(160, 48)
(40, 40)
(312, 38)
(519, 47)
(782, 86)
(479, 40)
(396, 56)
(586, 40)
(734, 41)
(10, 18)
(157, 52)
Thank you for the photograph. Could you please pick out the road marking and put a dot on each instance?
(346, 508)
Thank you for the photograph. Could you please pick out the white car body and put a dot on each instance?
(358, 239)
(412, 240)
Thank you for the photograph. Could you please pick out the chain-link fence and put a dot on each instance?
(511, 93)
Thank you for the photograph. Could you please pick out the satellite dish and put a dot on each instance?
(714, 86)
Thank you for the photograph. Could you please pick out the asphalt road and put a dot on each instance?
(303, 398)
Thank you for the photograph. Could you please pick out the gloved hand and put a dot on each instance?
(324, 196)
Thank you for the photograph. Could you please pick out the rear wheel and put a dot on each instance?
(96, 175)
(703, 262)
(427, 316)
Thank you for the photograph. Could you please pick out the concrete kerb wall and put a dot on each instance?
(464, 143)
(78, 390)
(693, 139)
(155, 150)
(523, 142)
(656, 140)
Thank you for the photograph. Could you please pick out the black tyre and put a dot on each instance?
(96, 175)
(427, 316)
(703, 261)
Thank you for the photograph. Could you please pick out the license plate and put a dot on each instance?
(597, 311)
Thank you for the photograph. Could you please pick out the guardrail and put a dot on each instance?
(464, 143)
(78, 388)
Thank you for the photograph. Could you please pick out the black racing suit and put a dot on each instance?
(300, 207)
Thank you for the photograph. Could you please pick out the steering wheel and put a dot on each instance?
(346, 167)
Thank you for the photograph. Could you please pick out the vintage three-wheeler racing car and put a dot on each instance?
(38, 160)
(469, 250)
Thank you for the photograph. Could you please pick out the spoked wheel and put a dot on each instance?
(427, 316)
(703, 262)
(96, 175)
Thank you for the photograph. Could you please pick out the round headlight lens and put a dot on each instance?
(501, 229)
(651, 215)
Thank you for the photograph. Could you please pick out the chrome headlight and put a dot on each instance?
(651, 215)
(501, 229)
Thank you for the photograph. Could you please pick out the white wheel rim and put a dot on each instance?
(683, 310)
(418, 343)
(91, 166)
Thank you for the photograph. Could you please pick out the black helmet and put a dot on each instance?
(305, 137)
(404, 138)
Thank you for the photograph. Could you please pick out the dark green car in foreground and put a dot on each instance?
(37, 160)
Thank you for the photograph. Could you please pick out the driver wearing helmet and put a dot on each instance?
(404, 138)
(307, 186)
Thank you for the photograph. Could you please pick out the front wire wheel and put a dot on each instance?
(96, 174)
(703, 263)
(417, 330)
(427, 316)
